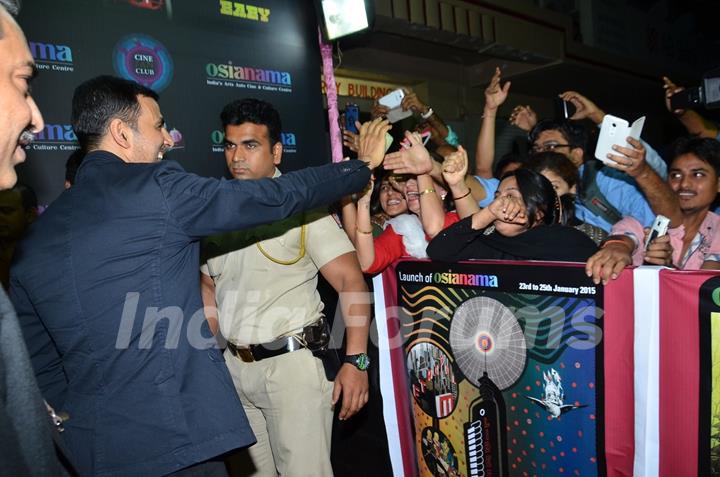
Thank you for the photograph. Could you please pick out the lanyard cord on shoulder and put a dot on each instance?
(293, 261)
(691, 252)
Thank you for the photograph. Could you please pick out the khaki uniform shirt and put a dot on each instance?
(259, 299)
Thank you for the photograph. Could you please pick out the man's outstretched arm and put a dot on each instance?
(206, 206)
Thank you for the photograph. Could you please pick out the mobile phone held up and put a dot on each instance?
(352, 114)
(393, 101)
(615, 131)
(658, 229)
(564, 109)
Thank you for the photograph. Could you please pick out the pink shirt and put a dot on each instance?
(705, 246)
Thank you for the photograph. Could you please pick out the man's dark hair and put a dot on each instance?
(27, 196)
(254, 111)
(506, 160)
(557, 163)
(72, 164)
(574, 132)
(705, 149)
(98, 101)
(538, 195)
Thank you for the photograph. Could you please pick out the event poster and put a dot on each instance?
(714, 443)
(501, 366)
(709, 415)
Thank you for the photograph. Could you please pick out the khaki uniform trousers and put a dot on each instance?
(288, 403)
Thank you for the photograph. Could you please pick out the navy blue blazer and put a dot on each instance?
(106, 287)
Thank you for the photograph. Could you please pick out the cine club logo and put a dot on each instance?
(143, 59)
(230, 75)
(52, 57)
(287, 139)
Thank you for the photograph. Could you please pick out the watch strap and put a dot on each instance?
(360, 361)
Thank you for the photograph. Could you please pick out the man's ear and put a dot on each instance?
(577, 156)
(120, 133)
(718, 184)
(277, 151)
(573, 189)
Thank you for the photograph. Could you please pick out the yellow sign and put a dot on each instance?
(242, 10)
(359, 88)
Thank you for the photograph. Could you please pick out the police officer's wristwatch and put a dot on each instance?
(360, 361)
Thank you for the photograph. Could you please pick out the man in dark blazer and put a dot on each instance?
(107, 291)
(26, 446)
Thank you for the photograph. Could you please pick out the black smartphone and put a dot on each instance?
(563, 109)
(352, 114)
(689, 98)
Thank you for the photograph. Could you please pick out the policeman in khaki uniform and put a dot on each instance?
(264, 283)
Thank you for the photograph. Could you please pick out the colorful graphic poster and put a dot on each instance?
(498, 364)
(713, 443)
(709, 416)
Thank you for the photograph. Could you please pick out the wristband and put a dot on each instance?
(429, 190)
(427, 114)
(613, 241)
(463, 196)
(363, 232)
(452, 138)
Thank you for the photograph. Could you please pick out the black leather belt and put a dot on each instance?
(266, 350)
(314, 337)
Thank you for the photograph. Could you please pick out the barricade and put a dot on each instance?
(494, 368)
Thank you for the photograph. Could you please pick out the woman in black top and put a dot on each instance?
(522, 223)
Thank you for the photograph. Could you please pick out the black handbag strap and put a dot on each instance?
(591, 197)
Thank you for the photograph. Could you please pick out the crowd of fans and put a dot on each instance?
(550, 201)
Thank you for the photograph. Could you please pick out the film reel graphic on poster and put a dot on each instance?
(490, 349)
(486, 338)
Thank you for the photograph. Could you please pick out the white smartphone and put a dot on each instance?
(393, 99)
(658, 229)
(614, 131)
(393, 102)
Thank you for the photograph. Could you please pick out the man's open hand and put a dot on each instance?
(412, 160)
(371, 144)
